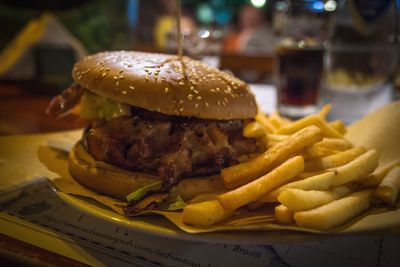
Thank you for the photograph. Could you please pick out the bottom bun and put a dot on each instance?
(105, 178)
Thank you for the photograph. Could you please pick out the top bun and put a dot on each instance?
(164, 83)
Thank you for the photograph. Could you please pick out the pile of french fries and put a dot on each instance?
(315, 176)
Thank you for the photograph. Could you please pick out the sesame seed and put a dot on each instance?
(166, 89)
(117, 83)
(196, 105)
(181, 101)
(212, 90)
(206, 103)
(104, 74)
(115, 78)
(190, 97)
(131, 87)
(181, 109)
(218, 103)
(199, 97)
(195, 91)
(146, 78)
(124, 92)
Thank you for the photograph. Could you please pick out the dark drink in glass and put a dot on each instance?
(300, 73)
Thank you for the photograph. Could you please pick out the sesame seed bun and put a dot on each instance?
(105, 178)
(166, 84)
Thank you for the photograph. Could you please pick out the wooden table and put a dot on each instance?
(22, 112)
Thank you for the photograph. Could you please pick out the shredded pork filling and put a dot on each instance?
(172, 147)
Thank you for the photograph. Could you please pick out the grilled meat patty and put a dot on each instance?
(170, 146)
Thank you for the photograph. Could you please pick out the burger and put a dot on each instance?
(155, 119)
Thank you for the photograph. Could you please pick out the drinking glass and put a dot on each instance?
(300, 56)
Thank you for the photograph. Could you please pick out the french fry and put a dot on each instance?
(314, 152)
(254, 190)
(334, 160)
(338, 125)
(262, 118)
(357, 169)
(305, 175)
(334, 213)
(277, 120)
(297, 199)
(389, 187)
(334, 143)
(377, 176)
(243, 173)
(205, 213)
(203, 197)
(263, 142)
(325, 110)
(188, 188)
(316, 120)
(254, 130)
(271, 144)
(322, 181)
(277, 137)
(283, 215)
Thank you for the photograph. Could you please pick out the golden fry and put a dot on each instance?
(188, 188)
(334, 143)
(334, 160)
(389, 187)
(277, 137)
(322, 181)
(277, 120)
(297, 199)
(377, 176)
(314, 152)
(205, 213)
(243, 173)
(203, 197)
(254, 190)
(262, 118)
(334, 213)
(357, 169)
(316, 120)
(305, 175)
(325, 110)
(254, 130)
(283, 215)
(338, 125)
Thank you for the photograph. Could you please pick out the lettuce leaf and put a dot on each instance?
(94, 106)
(177, 204)
(141, 192)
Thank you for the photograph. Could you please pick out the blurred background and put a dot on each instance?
(40, 41)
